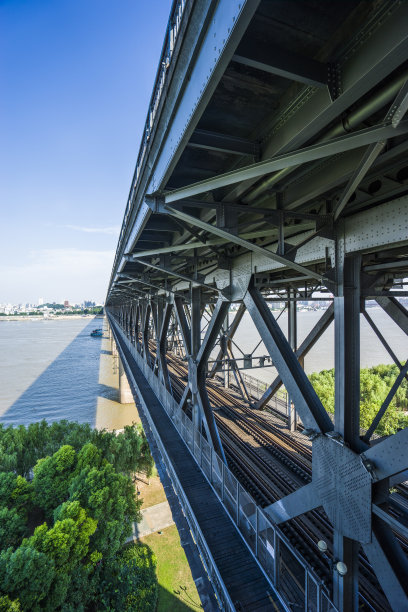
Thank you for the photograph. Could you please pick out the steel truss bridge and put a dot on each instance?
(273, 168)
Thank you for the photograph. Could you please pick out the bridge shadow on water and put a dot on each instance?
(68, 388)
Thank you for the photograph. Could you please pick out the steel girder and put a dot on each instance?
(346, 471)
(310, 160)
(287, 160)
(361, 67)
(180, 115)
(308, 343)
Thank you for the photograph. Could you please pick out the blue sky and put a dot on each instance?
(75, 81)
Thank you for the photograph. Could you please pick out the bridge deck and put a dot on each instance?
(244, 580)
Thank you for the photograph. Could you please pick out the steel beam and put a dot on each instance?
(137, 326)
(189, 279)
(307, 344)
(347, 351)
(389, 564)
(347, 405)
(230, 333)
(181, 113)
(395, 114)
(146, 350)
(183, 324)
(308, 405)
(293, 505)
(195, 347)
(395, 310)
(212, 332)
(372, 58)
(283, 63)
(345, 588)
(382, 339)
(207, 345)
(244, 243)
(213, 141)
(139, 281)
(389, 457)
(201, 244)
(292, 339)
(311, 153)
(162, 346)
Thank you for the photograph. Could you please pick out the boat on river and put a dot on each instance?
(97, 333)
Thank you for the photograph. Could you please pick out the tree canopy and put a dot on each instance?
(67, 505)
(375, 383)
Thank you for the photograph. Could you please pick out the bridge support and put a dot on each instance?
(125, 392)
(319, 214)
(347, 408)
(292, 338)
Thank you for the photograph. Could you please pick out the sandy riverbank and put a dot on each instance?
(110, 413)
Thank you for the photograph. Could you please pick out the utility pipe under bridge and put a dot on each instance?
(273, 169)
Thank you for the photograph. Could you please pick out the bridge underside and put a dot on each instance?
(273, 170)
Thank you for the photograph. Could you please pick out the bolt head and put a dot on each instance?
(341, 568)
(322, 546)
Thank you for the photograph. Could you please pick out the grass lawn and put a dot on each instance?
(173, 572)
(151, 494)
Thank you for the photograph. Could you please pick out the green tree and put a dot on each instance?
(52, 478)
(129, 582)
(7, 605)
(12, 527)
(89, 505)
(109, 498)
(67, 542)
(375, 384)
(26, 574)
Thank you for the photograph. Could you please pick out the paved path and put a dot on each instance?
(154, 519)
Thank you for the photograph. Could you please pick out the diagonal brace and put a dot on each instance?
(307, 403)
(244, 243)
(307, 344)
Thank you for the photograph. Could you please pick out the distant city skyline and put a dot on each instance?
(41, 302)
(56, 306)
(72, 109)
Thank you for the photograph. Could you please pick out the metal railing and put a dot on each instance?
(172, 31)
(209, 563)
(296, 585)
(219, 587)
(257, 388)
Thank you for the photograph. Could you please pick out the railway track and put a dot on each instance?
(270, 464)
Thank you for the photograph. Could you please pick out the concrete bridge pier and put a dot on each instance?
(125, 393)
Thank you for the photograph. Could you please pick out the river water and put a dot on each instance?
(50, 368)
(321, 357)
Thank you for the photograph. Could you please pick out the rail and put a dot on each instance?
(257, 388)
(285, 569)
(280, 400)
(205, 554)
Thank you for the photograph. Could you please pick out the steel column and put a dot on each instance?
(162, 349)
(292, 339)
(347, 407)
(195, 347)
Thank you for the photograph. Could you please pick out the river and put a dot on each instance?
(51, 368)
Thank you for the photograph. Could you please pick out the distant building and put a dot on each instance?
(40, 301)
(89, 304)
(66, 304)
